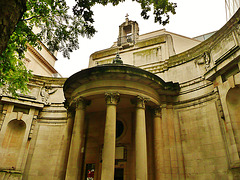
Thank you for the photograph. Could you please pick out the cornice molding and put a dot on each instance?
(41, 58)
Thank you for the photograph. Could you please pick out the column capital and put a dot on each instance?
(163, 106)
(70, 114)
(139, 101)
(80, 103)
(112, 98)
(157, 111)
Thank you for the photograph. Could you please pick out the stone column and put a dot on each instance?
(75, 154)
(140, 140)
(157, 138)
(108, 154)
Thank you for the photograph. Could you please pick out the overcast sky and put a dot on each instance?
(193, 18)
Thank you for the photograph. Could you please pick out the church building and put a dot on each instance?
(150, 107)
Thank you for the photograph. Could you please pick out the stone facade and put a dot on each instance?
(158, 113)
(41, 62)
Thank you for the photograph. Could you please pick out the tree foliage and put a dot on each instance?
(59, 30)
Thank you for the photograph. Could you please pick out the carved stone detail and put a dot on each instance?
(207, 60)
(34, 121)
(112, 98)
(219, 105)
(80, 103)
(45, 94)
(157, 112)
(139, 101)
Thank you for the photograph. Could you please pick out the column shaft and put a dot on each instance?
(140, 140)
(75, 158)
(108, 154)
(158, 146)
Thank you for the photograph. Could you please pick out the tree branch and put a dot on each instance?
(30, 18)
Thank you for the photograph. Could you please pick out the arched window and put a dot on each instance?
(119, 128)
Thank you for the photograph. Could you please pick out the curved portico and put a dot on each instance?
(114, 89)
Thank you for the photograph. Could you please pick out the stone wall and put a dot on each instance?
(33, 130)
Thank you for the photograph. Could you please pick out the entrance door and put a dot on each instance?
(118, 174)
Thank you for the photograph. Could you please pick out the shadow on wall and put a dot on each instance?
(233, 103)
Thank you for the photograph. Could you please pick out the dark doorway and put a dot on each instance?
(118, 174)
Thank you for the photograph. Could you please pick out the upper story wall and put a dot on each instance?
(146, 49)
(41, 62)
(180, 43)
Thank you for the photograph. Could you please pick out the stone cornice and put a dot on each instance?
(42, 59)
(43, 45)
(38, 80)
(119, 72)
